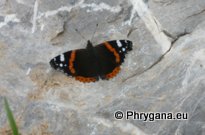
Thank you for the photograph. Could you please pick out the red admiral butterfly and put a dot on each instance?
(94, 62)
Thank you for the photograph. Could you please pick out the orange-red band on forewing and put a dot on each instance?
(113, 73)
(85, 79)
(71, 60)
(110, 48)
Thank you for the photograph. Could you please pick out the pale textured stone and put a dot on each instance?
(163, 73)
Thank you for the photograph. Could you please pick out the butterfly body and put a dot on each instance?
(94, 62)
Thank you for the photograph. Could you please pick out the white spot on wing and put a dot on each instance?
(61, 65)
(62, 58)
(123, 49)
(119, 44)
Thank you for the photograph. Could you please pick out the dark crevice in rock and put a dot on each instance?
(175, 38)
(195, 14)
(159, 60)
(172, 43)
(165, 2)
(179, 36)
(157, 24)
(162, 57)
(60, 33)
(131, 31)
(168, 34)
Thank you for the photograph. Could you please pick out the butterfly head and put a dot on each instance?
(89, 45)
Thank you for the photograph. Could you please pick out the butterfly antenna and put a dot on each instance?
(80, 34)
(94, 31)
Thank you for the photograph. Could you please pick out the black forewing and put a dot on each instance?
(84, 63)
(62, 64)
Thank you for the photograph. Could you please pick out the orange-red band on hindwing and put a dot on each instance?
(71, 60)
(85, 79)
(113, 73)
(110, 48)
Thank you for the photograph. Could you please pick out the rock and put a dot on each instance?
(163, 73)
(178, 17)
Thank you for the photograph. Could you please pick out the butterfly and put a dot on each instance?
(93, 62)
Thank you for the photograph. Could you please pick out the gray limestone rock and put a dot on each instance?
(163, 73)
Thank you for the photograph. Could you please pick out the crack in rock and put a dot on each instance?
(164, 2)
(162, 57)
(131, 31)
(175, 38)
(168, 34)
(195, 14)
(179, 36)
(59, 33)
(151, 23)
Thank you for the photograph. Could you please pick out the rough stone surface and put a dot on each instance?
(165, 72)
